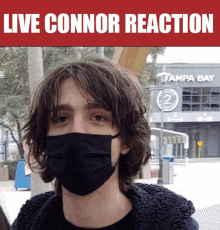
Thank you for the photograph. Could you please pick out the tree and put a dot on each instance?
(14, 93)
(53, 55)
(14, 86)
(155, 51)
(109, 52)
(148, 76)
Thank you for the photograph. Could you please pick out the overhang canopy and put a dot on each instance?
(172, 137)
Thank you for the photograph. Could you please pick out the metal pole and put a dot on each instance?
(181, 150)
(186, 158)
(163, 76)
(5, 144)
(185, 153)
(160, 179)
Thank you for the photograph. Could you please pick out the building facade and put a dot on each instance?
(191, 106)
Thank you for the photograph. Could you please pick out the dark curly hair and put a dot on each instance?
(113, 87)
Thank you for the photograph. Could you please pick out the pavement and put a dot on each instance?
(198, 182)
(12, 200)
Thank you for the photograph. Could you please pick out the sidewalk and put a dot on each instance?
(12, 200)
(198, 182)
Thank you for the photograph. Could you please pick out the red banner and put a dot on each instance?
(99, 23)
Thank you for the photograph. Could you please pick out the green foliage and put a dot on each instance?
(155, 51)
(109, 52)
(148, 77)
(14, 90)
(11, 168)
(150, 68)
(53, 55)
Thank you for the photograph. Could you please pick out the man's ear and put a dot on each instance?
(124, 149)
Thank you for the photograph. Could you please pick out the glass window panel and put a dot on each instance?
(186, 107)
(187, 91)
(205, 107)
(214, 107)
(205, 99)
(195, 107)
(215, 91)
(186, 98)
(196, 99)
(205, 91)
(215, 100)
(196, 91)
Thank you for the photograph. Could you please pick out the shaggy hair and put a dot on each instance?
(114, 88)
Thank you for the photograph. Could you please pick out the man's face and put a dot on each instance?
(78, 113)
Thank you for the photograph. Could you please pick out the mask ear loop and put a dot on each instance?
(117, 135)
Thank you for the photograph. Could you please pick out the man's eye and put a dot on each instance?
(60, 119)
(99, 118)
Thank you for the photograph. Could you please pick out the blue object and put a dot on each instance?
(21, 180)
(168, 157)
(168, 169)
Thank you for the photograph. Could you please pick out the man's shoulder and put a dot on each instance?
(31, 209)
(155, 202)
(155, 191)
(162, 196)
(38, 200)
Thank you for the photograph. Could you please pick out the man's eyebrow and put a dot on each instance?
(62, 107)
(95, 105)
(88, 106)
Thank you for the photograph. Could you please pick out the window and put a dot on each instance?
(205, 107)
(187, 99)
(205, 91)
(205, 99)
(215, 92)
(196, 99)
(187, 91)
(201, 99)
(214, 107)
(215, 100)
(196, 107)
(196, 91)
(186, 107)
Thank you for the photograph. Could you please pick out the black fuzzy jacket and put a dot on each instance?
(154, 207)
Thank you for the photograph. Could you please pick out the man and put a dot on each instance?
(87, 129)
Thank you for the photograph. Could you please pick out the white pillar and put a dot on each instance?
(146, 170)
(35, 69)
(169, 149)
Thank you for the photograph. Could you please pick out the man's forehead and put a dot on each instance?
(65, 96)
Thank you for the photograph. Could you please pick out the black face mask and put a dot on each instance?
(82, 162)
